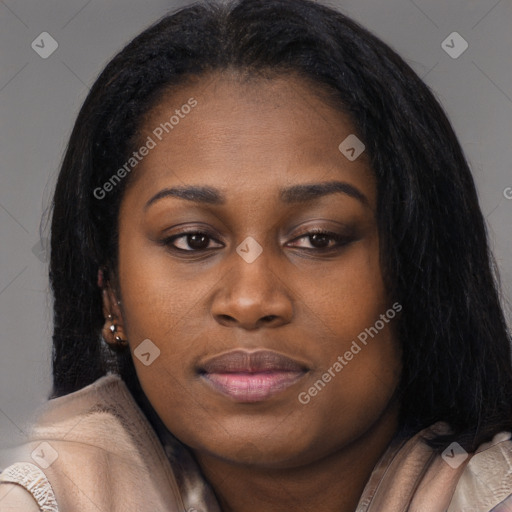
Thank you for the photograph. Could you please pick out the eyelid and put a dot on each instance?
(190, 229)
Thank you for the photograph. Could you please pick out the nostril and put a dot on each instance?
(226, 318)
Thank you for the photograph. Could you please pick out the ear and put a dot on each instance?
(110, 307)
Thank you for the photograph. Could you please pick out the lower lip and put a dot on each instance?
(252, 387)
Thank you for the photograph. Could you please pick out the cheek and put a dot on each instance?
(157, 298)
(166, 307)
(349, 295)
(359, 377)
(359, 359)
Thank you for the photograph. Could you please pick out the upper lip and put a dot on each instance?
(250, 362)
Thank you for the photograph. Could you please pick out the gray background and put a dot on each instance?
(39, 100)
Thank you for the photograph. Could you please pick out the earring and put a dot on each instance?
(117, 343)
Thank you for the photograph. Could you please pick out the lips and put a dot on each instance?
(251, 376)
(250, 362)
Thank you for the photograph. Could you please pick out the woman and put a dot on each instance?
(267, 217)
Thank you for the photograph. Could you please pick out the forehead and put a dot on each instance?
(254, 135)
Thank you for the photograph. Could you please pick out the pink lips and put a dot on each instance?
(251, 376)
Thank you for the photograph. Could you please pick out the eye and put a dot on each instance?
(198, 241)
(189, 241)
(322, 240)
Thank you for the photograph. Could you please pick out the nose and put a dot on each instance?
(252, 295)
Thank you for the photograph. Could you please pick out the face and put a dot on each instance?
(255, 259)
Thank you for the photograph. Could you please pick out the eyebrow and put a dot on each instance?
(290, 195)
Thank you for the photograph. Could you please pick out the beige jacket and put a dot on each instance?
(95, 451)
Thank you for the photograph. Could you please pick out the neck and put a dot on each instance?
(335, 482)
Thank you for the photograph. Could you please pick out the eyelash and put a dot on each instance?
(340, 240)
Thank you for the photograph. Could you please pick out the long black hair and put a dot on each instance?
(434, 249)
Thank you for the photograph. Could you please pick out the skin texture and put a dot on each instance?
(249, 140)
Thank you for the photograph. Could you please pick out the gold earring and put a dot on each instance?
(117, 343)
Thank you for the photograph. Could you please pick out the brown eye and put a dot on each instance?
(324, 240)
(190, 241)
(319, 240)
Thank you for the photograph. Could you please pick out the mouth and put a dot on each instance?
(251, 376)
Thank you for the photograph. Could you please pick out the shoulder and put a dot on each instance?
(23, 484)
(416, 477)
(486, 481)
(24, 487)
(14, 498)
(93, 449)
